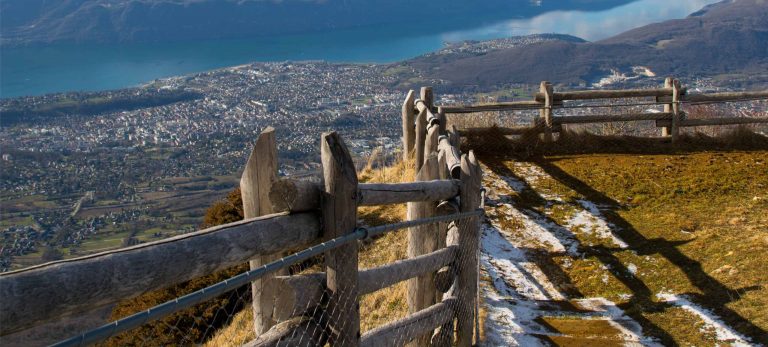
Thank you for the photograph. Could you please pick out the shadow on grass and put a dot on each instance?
(642, 298)
(715, 295)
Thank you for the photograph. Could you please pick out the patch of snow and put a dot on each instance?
(632, 268)
(629, 328)
(590, 220)
(516, 185)
(511, 319)
(643, 71)
(541, 230)
(712, 322)
(617, 76)
(514, 268)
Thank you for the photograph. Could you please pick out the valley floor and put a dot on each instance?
(626, 250)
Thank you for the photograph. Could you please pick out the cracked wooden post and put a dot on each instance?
(409, 130)
(340, 218)
(431, 141)
(546, 111)
(425, 94)
(668, 83)
(469, 241)
(675, 110)
(260, 171)
(422, 292)
(421, 137)
(442, 119)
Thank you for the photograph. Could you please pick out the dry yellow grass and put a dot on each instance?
(238, 332)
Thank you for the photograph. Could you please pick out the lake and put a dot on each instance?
(57, 68)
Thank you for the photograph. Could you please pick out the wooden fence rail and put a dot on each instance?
(49, 291)
(671, 96)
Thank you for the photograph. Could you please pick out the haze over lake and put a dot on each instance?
(57, 68)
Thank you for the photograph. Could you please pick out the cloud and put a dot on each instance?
(587, 25)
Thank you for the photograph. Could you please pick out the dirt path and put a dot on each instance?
(528, 299)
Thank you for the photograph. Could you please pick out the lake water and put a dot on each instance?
(41, 70)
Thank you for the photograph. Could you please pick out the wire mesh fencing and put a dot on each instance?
(400, 297)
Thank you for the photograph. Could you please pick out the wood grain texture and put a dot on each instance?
(422, 240)
(301, 196)
(605, 94)
(546, 111)
(295, 195)
(421, 137)
(409, 126)
(607, 118)
(302, 293)
(452, 157)
(426, 95)
(443, 121)
(676, 117)
(67, 287)
(727, 96)
(259, 173)
(469, 242)
(339, 219)
(411, 327)
(499, 106)
(713, 121)
(295, 332)
(430, 143)
(668, 82)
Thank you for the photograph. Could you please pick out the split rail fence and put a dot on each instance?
(444, 210)
(672, 96)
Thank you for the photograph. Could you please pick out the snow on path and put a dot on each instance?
(711, 321)
(518, 287)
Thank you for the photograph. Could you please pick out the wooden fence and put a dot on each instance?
(283, 215)
(672, 96)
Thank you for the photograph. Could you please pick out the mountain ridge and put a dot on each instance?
(28, 22)
(724, 38)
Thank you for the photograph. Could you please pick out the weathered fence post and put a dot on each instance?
(442, 119)
(260, 171)
(469, 241)
(421, 135)
(668, 83)
(425, 94)
(546, 111)
(430, 144)
(340, 218)
(409, 130)
(675, 110)
(422, 292)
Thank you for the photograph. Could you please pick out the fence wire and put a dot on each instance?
(221, 314)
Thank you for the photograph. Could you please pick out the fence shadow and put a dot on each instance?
(642, 296)
(714, 295)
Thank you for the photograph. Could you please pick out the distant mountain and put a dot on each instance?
(26, 22)
(730, 37)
